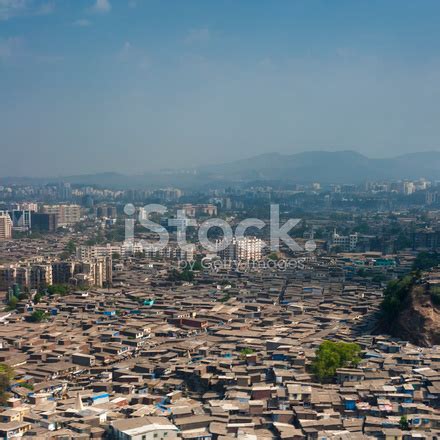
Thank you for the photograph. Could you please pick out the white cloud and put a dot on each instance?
(132, 55)
(45, 8)
(82, 22)
(125, 51)
(198, 36)
(16, 8)
(14, 50)
(12, 8)
(9, 47)
(102, 6)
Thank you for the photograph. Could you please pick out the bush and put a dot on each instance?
(58, 289)
(333, 355)
(12, 303)
(426, 260)
(395, 296)
(246, 351)
(38, 316)
(6, 375)
(404, 425)
(185, 275)
(435, 296)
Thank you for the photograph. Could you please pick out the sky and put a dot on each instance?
(134, 86)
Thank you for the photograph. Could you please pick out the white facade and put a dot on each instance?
(241, 249)
(144, 428)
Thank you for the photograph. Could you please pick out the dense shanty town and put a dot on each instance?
(107, 338)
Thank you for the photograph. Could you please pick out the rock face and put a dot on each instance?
(419, 321)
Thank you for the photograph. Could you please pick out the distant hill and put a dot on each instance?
(328, 167)
(313, 166)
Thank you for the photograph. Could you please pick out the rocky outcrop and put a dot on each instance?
(419, 320)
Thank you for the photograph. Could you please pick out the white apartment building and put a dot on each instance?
(241, 249)
(129, 248)
(347, 243)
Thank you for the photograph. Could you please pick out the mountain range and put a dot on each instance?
(329, 167)
(314, 166)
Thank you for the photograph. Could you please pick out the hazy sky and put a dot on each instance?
(130, 85)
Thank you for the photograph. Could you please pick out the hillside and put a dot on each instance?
(411, 311)
(314, 166)
(328, 167)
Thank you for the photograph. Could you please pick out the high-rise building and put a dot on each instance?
(242, 249)
(62, 271)
(347, 243)
(7, 276)
(408, 188)
(64, 191)
(40, 276)
(28, 206)
(67, 214)
(5, 227)
(21, 219)
(106, 211)
(91, 272)
(44, 222)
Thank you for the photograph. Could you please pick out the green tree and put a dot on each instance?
(426, 260)
(435, 295)
(38, 316)
(38, 297)
(225, 297)
(12, 303)
(58, 289)
(404, 425)
(6, 375)
(245, 351)
(273, 256)
(185, 275)
(333, 355)
(69, 250)
(197, 265)
(71, 247)
(395, 296)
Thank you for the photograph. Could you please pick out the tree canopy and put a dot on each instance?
(38, 316)
(6, 375)
(395, 296)
(333, 355)
(426, 260)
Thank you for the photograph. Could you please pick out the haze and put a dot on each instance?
(130, 86)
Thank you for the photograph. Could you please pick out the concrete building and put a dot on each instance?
(40, 276)
(347, 243)
(128, 248)
(241, 249)
(96, 272)
(44, 222)
(144, 428)
(67, 214)
(5, 227)
(21, 219)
